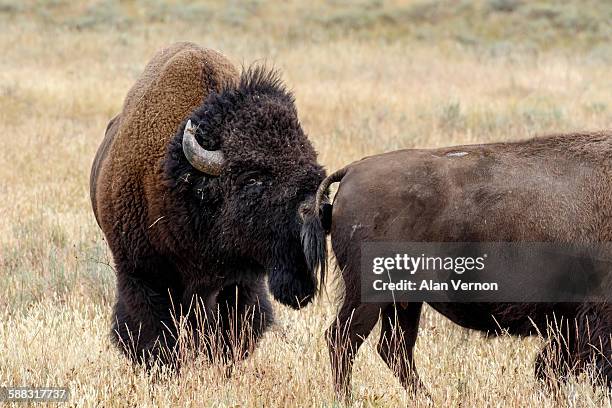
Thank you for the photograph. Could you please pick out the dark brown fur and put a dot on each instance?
(551, 189)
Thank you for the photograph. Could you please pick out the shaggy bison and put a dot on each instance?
(199, 186)
(551, 189)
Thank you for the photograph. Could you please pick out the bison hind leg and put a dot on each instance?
(398, 336)
(345, 336)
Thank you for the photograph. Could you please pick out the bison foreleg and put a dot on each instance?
(594, 346)
(143, 327)
(241, 315)
(396, 345)
(554, 363)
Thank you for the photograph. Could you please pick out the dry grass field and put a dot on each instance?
(369, 76)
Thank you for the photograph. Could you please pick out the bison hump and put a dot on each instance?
(174, 83)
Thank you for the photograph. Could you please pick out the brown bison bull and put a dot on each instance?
(551, 189)
(200, 186)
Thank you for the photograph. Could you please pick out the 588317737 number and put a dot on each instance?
(34, 394)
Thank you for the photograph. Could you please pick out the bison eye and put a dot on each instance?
(253, 185)
(252, 182)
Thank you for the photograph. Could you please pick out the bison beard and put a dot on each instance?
(198, 186)
(550, 189)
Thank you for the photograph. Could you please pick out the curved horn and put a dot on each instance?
(207, 161)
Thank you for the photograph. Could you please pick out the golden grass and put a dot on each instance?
(357, 94)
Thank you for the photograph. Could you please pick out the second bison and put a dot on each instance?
(555, 189)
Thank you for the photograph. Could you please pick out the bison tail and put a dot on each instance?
(316, 225)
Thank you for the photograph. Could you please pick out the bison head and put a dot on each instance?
(247, 173)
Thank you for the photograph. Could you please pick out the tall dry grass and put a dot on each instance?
(370, 78)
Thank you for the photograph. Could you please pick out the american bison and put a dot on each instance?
(200, 186)
(550, 189)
